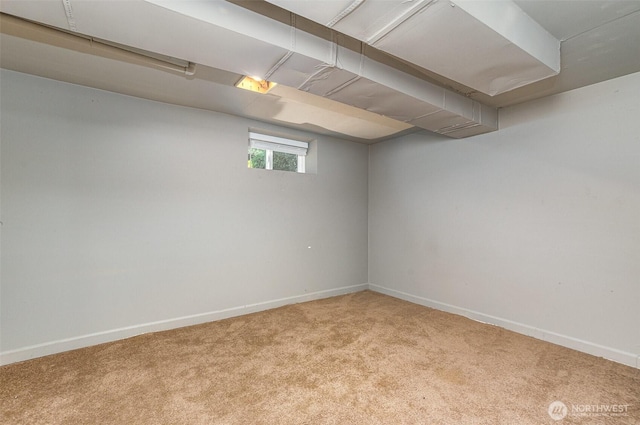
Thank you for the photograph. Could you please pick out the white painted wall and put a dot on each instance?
(123, 215)
(535, 227)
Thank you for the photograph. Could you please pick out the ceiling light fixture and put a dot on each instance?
(255, 84)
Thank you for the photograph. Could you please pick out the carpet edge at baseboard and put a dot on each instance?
(59, 346)
(609, 353)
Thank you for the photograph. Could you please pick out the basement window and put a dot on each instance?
(276, 153)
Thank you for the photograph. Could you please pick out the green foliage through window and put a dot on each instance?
(276, 153)
(285, 161)
(257, 158)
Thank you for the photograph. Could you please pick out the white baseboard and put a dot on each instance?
(59, 346)
(626, 358)
(53, 347)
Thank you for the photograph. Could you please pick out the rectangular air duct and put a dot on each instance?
(321, 67)
(357, 80)
(490, 46)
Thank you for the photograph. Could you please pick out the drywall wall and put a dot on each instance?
(122, 215)
(535, 227)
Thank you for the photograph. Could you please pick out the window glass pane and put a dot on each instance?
(257, 158)
(285, 161)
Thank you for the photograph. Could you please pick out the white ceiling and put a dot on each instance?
(600, 40)
(569, 18)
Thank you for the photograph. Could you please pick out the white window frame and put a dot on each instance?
(272, 144)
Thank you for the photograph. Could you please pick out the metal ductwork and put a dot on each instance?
(356, 80)
(324, 68)
(490, 46)
(226, 36)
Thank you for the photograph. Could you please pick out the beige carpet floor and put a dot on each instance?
(362, 358)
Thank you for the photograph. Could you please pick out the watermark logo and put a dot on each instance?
(557, 410)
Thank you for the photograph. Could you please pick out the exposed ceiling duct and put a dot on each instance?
(490, 46)
(324, 68)
(225, 36)
(359, 81)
